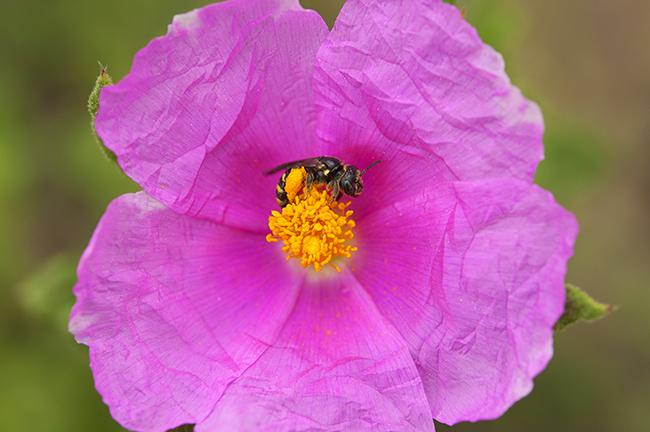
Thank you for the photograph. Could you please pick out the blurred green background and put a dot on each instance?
(586, 62)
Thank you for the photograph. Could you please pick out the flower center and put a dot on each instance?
(314, 228)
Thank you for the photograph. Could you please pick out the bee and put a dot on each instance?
(338, 177)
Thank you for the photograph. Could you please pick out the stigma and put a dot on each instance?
(314, 228)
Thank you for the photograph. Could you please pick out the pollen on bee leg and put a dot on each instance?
(313, 229)
(295, 182)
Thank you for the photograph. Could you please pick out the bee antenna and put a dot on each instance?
(369, 166)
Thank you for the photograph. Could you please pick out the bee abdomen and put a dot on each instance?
(280, 195)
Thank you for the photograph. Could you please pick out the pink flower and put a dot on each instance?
(445, 310)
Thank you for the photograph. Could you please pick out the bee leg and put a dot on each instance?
(335, 191)
(309, 181)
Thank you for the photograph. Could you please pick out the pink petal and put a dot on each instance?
(411, 83)
(472, 276)
(335, 366)
(174, 309)
(209, 107)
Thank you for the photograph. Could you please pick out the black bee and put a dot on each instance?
(339, 177)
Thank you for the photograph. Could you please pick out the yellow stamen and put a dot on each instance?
(313, 229)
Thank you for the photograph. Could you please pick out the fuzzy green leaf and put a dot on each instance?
(103, 79)
(183, 428)
(580, 306)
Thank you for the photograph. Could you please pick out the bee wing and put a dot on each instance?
(294, 164)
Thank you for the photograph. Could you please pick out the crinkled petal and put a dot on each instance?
(335, 366)
(173, 309)
(207, 108)
(472, 276)
(412, 84)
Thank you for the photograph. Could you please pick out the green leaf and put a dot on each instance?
(580, 306)
(183, 428)
(103, 79)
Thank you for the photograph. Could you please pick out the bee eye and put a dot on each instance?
(347, 187)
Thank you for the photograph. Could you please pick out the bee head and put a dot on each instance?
(351, 182)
